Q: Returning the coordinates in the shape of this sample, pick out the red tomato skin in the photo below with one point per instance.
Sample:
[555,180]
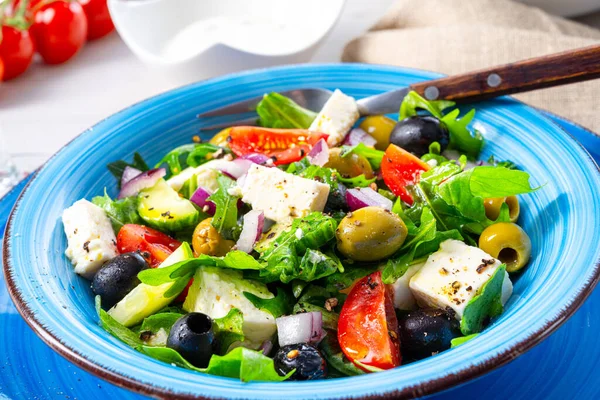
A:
[154,246]
[368,328]
[16,50]
[400,169]
[99,21]
[284,146]
[59,29]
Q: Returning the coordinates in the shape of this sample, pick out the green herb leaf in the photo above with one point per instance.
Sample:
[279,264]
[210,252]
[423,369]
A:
[461,340]
[277,306]
[113,327]
[244,364]
[229,329]
[191,155]
[316,265]
[413,102]
[116,168]
[199,155]
[163,320]
[120,212]
[335,357]
[486,304]
[278,111]
[357,181]
[340,281]
[225,218]
[373,155]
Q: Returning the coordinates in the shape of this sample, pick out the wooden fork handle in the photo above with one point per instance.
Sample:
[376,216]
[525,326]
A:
[523,76]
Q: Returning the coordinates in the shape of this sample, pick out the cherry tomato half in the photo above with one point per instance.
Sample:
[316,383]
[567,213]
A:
[368,329]
[16,51]
[99,22]
[400,169]
[154,246]
[284,146]
[59,29]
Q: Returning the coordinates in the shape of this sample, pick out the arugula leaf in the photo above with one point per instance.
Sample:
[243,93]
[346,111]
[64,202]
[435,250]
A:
[278,111]
[225,218]
[185,269]
[113,327]
[191,155]
[373,155]
[440,173]
[199,155]
[116,168]
[163,320]
[340,281]
[335,357]
[460,136]
[277,306]
[120,212]
[316,265]
[461,340]
[242,363]
[486,304]
[487,181]
[229,329]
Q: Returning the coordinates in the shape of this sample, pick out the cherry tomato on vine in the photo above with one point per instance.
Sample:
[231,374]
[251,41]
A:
[99,22]
[59,29]
[14,7]
[16,51]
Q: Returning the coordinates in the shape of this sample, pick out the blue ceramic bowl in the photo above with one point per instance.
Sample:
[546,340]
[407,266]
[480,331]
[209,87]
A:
[562,220]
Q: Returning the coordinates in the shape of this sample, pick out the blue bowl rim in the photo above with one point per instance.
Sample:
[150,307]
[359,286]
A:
[422,389]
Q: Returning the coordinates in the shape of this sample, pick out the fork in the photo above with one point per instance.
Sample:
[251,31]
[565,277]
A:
[535,73]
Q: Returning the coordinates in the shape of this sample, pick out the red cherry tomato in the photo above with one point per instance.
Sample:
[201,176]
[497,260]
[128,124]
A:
[400,169]
[283,145]
[16,51]
[99,22]
[154,246]
[1,69]
[59,30]
[368,329]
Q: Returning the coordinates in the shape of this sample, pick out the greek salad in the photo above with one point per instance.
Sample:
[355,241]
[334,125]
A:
[313,245]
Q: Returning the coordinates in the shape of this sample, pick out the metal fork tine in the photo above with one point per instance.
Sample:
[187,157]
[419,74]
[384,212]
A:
[241,122]
[308,98]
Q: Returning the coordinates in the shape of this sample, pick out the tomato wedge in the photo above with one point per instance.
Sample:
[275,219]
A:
[368,329]
[400,169]
[284,146]
[154,246]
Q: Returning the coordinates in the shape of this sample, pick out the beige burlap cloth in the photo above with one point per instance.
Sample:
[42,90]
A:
[455,36]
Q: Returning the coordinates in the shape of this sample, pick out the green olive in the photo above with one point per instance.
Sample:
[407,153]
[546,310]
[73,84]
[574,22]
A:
[206,240]
[507,242]
[380,127]
[370,234]
[350,166]
[492,207]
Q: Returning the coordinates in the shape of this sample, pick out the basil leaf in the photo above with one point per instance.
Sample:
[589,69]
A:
[278,111]
[229,329]
[277,306]
[116,168]
[462,339]
[241,363]
[225,218]
[120,212]
[373,155]
[486,304]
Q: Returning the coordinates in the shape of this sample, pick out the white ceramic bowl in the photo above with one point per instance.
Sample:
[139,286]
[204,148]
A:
[201,38]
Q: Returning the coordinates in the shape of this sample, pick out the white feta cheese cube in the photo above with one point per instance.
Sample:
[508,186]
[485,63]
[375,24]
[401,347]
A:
[90,236]
[403,297]
[453,275]
[280,195]
[336,118]
[216,291]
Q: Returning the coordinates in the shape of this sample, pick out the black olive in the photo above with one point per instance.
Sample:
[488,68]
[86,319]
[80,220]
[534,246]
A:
[415,134]
[118,277]
[427,331]
[336,201]
[305,359]
[192,336]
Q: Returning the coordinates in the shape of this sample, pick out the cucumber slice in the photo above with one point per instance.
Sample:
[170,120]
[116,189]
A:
[162,208]
[145,300]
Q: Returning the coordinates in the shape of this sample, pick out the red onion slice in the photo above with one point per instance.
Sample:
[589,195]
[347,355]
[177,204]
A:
[319,154]
[300,328]
[266,347]
[200,198]
[236,168]
[258,158]
[365,197]
[357,136]
[128,174]
[142,181]
[252,229]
